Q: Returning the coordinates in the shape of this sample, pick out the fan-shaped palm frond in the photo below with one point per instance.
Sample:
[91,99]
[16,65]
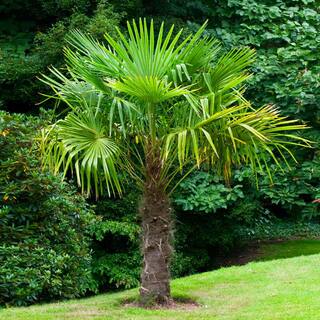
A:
[79,142]
[148,89]
[145,57]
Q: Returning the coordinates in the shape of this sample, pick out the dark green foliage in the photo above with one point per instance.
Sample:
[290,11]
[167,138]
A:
[203,192]
[216,214]
[44,252]
[116,232]
[293,191]
[29,49]
[285,34]
[200,239]
[273,229]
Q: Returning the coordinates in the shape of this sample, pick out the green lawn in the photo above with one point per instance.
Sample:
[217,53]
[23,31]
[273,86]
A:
[278,289]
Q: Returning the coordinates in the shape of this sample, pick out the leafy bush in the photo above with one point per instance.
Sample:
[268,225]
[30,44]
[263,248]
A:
[28,49]
[115,234]
[44,252]
[293,192]
[206,192]
[273,229]
[285,34]
[205,206]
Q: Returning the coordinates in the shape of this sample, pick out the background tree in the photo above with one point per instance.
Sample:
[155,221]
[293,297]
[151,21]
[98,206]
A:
[154,106]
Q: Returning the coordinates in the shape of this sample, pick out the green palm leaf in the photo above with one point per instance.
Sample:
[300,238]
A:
[236,135]
[80,144]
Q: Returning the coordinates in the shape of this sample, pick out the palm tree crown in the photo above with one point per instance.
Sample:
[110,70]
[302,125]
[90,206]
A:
[149,89]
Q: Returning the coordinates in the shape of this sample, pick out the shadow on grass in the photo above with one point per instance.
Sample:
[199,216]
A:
[271,250]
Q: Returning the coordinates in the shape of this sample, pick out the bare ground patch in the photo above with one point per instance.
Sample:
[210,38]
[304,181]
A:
[184,304]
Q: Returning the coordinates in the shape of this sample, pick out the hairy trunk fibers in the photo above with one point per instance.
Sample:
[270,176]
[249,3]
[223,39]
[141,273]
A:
[156,235]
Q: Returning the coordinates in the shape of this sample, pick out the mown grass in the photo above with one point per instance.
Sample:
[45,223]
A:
[278,289]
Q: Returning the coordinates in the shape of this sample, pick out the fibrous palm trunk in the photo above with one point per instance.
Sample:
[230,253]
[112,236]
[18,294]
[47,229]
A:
[156,234]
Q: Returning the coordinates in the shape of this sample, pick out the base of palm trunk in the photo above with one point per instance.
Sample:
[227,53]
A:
[156,249]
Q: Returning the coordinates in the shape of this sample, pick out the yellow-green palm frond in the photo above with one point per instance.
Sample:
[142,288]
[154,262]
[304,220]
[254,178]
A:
[79,144]
[237,135]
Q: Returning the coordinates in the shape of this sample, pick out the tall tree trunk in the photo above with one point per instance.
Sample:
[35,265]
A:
[157,231]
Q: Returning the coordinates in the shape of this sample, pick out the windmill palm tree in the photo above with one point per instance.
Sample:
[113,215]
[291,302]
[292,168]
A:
[155,105]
